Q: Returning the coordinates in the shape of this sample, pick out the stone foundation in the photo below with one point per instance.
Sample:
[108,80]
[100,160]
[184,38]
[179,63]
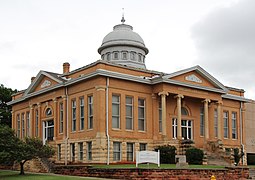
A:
[141,174]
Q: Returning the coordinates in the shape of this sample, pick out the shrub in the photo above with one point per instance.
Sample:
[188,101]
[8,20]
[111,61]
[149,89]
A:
[237,155]
[167,154]
[194,156]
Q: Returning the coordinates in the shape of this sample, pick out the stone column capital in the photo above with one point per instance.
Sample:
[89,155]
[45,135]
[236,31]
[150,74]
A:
[179,96]
[163,93]
[100,88]
[39,104]
[219,103]
[206,101]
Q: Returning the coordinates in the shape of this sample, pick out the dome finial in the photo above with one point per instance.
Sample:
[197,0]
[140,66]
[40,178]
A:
[123,19]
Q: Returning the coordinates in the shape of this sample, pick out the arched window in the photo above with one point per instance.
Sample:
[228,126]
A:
[184,111]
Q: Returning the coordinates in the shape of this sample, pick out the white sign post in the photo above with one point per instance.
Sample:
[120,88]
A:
[147,157]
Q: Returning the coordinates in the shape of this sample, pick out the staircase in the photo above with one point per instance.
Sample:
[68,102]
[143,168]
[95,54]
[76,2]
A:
[217,159]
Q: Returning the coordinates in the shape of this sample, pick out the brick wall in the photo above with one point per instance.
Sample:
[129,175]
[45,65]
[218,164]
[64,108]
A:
[141,174]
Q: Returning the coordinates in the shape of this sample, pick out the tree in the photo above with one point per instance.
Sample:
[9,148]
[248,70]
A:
[5,110]
[13,149]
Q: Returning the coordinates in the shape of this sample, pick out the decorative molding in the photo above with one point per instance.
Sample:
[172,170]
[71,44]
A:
[46,83]
[193,78]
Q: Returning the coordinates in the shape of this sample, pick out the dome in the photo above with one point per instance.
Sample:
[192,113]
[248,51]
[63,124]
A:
[124,46]
[123,34]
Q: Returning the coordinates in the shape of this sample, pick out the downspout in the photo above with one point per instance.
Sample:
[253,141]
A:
[66,140]
[107,120]
[241,129]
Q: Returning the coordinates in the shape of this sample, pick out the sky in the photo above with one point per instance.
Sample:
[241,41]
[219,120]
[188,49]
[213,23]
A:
[218,35]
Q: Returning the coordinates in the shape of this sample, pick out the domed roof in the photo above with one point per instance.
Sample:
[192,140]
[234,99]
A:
[124,35]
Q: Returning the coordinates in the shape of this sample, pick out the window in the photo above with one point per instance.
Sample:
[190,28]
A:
[61,118]
[116,151]
[202,122]
[80,145]
[36,123]
[108,56]
[225,124]
[234,126]
[48,130]
[48,112]
[115,111]
[59,152]
[28,124]
[89,150]
[160,115]
[184,111]
[73,115]
[215,123]
[130,151]
[115,55]
[186,129]
[139,58]
[141,114]
[81,113]
[72,150]
[132,55]
[23,125]
[129,113]
[90,112]
[143,147]
[124,55]
[18,126]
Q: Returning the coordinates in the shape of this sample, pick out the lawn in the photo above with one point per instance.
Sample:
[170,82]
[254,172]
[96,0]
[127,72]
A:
[14,175]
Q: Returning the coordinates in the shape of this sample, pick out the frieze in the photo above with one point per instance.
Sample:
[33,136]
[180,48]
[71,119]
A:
[192,90]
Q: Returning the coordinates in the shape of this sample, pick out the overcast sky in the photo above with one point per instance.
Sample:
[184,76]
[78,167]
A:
[218,35]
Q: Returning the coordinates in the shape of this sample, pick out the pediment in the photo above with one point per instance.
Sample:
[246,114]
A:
[196,76]
[43,80]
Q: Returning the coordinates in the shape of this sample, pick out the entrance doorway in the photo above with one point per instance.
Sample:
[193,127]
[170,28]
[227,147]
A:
[186,128]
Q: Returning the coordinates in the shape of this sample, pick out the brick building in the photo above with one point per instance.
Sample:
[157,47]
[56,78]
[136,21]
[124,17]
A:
[105,111]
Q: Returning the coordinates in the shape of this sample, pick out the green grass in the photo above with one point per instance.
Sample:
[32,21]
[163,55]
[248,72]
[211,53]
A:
[14,175]
[162,166]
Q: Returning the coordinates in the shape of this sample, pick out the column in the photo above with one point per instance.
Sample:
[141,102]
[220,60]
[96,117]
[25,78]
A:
[219,111]
[55,111]
[40,126]
[179,115]
[31,122]
[163,105]
[206,102]
[65,116]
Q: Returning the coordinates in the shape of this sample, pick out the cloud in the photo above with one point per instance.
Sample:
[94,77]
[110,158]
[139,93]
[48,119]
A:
[225,41]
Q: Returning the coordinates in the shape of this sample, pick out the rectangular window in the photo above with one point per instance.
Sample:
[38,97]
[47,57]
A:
[90,112]
[72,150]
[59,152]
[115,111]
[124,55]
[81,113]
[73,115]
[130,151]
[36,123]
[61,118]
[89,151]
[215,123]
[160,115]
[225,124]
[141,114]
[28,124]
[143,147]
[202,122]
[18,126]
[23,125]
[129,113]
[115,55]
[80,151]
[116,151]
[234,125]
[132,55]
[186,129]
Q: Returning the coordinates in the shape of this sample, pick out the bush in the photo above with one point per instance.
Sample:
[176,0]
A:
[167,154]
[237,155]
[194,156]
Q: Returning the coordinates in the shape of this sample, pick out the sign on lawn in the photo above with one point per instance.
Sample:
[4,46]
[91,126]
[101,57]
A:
[147,157]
